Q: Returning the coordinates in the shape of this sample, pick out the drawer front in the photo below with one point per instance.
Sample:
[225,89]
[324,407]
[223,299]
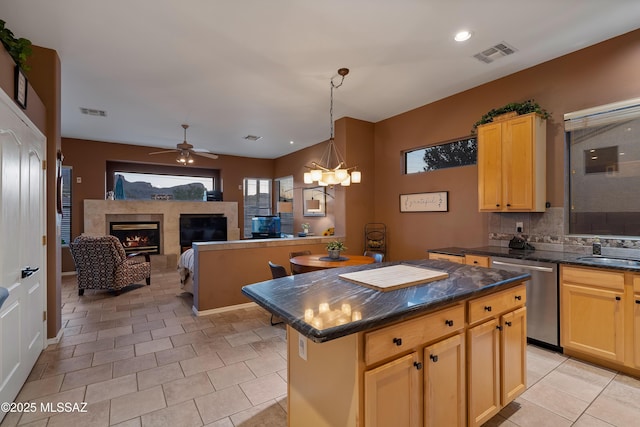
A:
[594,276]
[452,258]
[479,260]
[495,304]
[395,339]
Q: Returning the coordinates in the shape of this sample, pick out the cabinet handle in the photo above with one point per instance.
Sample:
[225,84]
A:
[618,298]
[449,322]
[397,341]
[487,308]
[418,365]
[499,327]
[508,323]
[638,301]
[475,262]
[433,357]
[508,205]
[497,205]
[518,297]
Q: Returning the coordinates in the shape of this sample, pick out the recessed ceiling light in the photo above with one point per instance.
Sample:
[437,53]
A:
[291,142]
[463,36]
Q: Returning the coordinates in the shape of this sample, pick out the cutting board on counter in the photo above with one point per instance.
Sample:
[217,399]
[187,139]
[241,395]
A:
[394,277]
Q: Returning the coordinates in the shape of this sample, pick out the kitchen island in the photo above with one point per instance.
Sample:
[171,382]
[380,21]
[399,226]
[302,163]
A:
[421,355]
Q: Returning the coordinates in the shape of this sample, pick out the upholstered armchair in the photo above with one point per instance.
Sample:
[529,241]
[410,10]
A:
[101,263]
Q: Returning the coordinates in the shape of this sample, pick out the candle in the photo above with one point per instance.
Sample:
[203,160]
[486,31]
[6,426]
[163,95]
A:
[308,315]
[317,323]
[356,315]
[346,309]
[323,307]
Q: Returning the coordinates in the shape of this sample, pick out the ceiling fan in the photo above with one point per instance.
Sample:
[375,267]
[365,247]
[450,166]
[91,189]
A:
[186,151]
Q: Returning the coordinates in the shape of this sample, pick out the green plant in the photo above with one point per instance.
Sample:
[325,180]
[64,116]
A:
[336,245]
[526,107]
[18,48]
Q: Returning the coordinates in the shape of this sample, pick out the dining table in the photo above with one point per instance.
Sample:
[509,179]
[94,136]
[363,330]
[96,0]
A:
[314,262]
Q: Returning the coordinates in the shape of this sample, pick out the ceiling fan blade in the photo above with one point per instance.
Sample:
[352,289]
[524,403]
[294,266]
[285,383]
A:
[162,152]
[209,155]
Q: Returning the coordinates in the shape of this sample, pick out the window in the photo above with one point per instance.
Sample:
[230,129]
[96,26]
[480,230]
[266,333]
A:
[147,186]
[257,200]
[65,226]
[462,152]
[604,169]
[284,203]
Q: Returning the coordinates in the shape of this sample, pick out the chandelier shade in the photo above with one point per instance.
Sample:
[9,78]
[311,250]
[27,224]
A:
[332,168]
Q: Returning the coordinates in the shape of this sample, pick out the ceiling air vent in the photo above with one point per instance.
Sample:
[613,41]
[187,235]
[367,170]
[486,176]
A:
[93,112]
[495,52]
[252,137]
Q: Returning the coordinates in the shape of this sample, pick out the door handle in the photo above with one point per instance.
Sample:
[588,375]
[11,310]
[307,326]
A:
[28,271]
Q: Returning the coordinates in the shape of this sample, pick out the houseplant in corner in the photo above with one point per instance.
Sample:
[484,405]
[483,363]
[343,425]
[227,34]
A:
[334,248]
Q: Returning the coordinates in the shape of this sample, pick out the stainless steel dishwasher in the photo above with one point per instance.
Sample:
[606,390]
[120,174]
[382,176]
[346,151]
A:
[543,317]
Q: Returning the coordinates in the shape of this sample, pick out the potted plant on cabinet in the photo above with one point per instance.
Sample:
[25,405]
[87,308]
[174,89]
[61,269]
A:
[334,248]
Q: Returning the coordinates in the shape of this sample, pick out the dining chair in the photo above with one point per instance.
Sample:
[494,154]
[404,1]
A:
[296,269]
[377,256]
[277,271]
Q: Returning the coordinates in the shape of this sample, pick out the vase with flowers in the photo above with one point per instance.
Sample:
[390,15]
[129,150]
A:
[334,248]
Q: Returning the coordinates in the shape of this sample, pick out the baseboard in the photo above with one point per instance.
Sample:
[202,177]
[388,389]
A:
[56,339]
[223,309]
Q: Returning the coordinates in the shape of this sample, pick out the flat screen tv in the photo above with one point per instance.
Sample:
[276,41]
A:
[202,228]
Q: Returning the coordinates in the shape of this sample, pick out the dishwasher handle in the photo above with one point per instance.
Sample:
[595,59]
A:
[523,266]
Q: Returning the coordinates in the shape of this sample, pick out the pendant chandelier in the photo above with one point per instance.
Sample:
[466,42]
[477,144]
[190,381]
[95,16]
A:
[323,172]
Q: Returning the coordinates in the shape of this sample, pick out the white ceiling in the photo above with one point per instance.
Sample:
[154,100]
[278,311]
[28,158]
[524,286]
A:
[231,68]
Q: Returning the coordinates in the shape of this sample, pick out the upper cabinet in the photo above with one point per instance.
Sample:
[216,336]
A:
[512,165]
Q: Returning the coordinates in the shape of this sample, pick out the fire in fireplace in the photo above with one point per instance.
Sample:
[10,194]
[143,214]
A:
[137,236]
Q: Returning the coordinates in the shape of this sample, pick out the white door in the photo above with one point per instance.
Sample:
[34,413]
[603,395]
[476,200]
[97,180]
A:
[22,227]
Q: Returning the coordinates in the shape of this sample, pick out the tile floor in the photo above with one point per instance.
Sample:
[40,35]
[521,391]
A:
[143,359]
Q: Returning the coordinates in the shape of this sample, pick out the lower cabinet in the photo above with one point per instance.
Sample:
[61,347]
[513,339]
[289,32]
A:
[592,312]
[420,389]
[393,393]
[496,352]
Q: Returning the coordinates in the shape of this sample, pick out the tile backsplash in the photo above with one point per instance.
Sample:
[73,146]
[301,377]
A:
[546,231]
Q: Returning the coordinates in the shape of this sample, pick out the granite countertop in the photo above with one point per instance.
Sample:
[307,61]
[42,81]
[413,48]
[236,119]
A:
[348,307]
[535,255]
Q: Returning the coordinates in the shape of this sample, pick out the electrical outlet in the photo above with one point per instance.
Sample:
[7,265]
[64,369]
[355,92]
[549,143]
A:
[519,227]
[302,346]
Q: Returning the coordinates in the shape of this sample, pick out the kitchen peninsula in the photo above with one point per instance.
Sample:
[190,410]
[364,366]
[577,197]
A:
[428,354]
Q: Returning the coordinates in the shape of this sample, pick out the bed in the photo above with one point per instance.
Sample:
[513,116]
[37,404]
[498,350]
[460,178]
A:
[185,269]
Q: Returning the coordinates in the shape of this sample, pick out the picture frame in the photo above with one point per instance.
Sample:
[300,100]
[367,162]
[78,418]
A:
[437,201]
[314,201]
[21,87]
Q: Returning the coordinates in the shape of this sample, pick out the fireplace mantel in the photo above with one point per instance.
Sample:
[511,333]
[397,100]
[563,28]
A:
[97,214]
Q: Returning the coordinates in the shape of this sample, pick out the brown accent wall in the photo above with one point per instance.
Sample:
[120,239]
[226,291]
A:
[604,73]
[89,159]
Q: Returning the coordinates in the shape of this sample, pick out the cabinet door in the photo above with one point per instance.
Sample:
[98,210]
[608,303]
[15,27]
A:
[592,321]
[483,362]
[636,329]
[392,393]
[517,159]
[444,383]
[479,260]
[513,352]
[490,167]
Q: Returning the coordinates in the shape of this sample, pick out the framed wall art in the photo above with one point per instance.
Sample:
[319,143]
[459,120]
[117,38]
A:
[425,202]
[21,88]
[314,200]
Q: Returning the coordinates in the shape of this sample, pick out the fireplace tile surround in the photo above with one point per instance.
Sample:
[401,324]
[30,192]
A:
[99,213]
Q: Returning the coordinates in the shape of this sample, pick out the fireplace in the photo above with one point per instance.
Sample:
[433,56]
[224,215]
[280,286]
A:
[137,236]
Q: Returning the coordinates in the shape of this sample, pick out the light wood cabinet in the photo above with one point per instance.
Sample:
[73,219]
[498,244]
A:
[477,260]
[592,312]
[496,353]
[636,321]
[512,165]
[392,393]
[452,258]
[444,383]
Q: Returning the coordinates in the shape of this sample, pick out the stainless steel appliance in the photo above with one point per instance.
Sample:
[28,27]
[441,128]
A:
[543,317]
